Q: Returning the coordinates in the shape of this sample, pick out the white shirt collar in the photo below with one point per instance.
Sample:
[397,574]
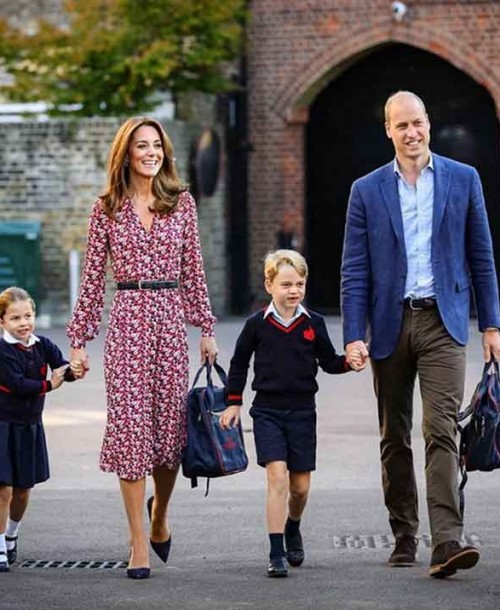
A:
[10,339]
[271,309]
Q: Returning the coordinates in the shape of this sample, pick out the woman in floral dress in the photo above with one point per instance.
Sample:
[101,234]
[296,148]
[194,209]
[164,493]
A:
[146,223]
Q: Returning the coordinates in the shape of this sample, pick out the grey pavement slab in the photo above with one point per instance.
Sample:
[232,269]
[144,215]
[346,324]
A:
[219,550]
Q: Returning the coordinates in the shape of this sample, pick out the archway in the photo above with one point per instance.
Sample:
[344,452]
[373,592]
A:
[345,139]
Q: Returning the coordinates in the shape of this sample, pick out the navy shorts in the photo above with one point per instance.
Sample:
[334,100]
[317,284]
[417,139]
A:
[285,435]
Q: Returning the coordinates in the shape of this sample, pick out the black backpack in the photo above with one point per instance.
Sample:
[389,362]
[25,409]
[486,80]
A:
[211,451]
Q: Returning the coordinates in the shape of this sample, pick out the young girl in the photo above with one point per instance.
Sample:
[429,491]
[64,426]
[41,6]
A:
[288,343]
[24,358]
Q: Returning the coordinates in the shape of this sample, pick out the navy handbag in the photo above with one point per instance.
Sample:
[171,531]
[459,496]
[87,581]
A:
[211,451]
[480,437]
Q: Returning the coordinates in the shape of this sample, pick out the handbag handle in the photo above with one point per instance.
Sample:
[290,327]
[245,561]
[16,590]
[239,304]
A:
[220,372]
[490,370]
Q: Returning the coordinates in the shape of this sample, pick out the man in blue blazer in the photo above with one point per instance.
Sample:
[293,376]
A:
[417,241]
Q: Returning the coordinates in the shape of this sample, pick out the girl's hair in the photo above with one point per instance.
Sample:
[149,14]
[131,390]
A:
[167,185]
[274,260]
[13,295]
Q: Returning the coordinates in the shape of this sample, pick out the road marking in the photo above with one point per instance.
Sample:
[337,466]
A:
[386,541]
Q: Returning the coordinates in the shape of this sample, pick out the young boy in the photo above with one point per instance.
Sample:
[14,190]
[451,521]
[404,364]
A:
[288,342]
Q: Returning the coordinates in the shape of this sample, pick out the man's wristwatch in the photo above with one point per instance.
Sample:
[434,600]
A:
[495,328]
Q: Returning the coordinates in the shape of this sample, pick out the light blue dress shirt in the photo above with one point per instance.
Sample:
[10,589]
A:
[417,203]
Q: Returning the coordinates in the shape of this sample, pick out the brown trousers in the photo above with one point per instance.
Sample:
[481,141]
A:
[425,349]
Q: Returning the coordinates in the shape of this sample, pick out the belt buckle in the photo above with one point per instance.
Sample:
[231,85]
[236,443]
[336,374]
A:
[139,284]
[412,307]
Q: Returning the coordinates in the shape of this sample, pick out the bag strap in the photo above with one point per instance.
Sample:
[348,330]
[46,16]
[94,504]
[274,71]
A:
[197,376]
[220,372]
[490,368]
[461,488]
[494,367]
[194,483]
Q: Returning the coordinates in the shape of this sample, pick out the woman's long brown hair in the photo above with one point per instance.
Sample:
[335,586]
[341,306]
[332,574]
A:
[167,185]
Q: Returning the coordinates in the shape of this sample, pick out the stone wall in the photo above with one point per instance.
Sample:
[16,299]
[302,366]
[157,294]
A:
[53,170]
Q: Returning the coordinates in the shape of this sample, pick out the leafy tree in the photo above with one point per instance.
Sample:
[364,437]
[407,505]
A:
[115,54]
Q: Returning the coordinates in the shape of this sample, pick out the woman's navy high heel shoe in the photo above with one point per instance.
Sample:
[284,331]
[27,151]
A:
[138,573]
[162,549]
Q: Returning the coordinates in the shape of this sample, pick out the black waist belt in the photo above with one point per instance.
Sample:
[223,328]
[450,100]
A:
[147,285]
[420,304]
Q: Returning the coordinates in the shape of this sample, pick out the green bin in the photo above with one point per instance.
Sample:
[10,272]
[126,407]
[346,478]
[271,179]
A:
[20,255]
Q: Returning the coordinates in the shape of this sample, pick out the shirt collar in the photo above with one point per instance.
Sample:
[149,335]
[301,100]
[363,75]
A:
[10,339]
[271,309]
[397,171]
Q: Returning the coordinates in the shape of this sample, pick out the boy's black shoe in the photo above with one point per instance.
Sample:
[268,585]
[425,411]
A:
[450,556]
[294,549]
[405,552]
[12,554]
[277,568]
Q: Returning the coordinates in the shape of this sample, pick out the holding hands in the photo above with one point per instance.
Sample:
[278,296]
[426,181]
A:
[77,369]
[79,362]
[57,377]
[357,355]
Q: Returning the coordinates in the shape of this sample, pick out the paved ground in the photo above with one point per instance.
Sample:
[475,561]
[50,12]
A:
[218,557]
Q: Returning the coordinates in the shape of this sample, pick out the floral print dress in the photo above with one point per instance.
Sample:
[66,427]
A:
[145,351]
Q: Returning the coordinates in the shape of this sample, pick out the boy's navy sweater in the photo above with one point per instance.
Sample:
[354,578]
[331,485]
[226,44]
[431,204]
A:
[286,361]
[23,378]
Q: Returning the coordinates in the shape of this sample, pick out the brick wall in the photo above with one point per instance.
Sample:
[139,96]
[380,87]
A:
[52,171]
[298,46]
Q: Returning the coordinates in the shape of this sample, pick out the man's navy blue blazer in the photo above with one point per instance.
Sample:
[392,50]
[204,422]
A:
[374,264]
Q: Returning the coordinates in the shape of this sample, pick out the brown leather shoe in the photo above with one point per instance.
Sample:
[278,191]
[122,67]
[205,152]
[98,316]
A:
[450,556]
[405,552]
